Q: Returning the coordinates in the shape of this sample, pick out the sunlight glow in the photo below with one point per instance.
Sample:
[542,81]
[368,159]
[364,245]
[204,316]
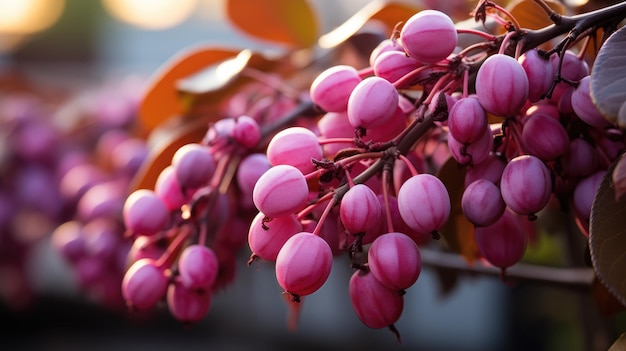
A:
[151,14]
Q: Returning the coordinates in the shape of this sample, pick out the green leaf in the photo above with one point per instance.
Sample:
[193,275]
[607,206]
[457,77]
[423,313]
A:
[607,237]
[608,79]
[290,22]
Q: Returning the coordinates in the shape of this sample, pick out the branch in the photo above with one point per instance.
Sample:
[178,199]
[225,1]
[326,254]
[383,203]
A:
[571,278]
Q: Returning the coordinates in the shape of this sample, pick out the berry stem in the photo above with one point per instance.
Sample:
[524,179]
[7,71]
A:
[320,222]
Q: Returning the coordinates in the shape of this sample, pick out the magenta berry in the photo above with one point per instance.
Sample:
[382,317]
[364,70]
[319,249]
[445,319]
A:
[526,184]
[332,88]
[294,146]
[360,209]
[198,267]
[395,260]
[303,264]
[467,120]
[373,103]
[280,191]
[540,73]
[424,203]
[482,202]
[194,165]
[501,85]
[502,243]
[145,213]
[187,305]
[265,239]
[429,36]
[144,284]
[374,304]
[545,137]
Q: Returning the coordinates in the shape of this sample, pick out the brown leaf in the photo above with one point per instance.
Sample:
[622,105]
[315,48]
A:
[161,100]
[388,12]
[290,22]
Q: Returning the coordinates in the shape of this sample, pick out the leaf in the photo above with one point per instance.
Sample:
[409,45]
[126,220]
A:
[458,231]
[607,237]
[161,100]
[619,179]
[163,143]
[532,16]
[388,12]
[290,22]
[608,79]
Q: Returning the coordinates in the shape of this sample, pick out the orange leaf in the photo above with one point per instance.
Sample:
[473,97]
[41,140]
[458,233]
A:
[388,12]
[531,16]
[163,143]
[290,22]
[161,100]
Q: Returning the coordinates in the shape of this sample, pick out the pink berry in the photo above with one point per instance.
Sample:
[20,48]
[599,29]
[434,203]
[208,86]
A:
[526,184]
[375,305]
[187,305]
[580,160]
[545,137]
[502,85]
[467,120]
[472,153]
[265,239]
[280,191]
[360,209]
[303,264]
[194,165]
[424,203]
[145,213]
[249,171]
[585,192]
[482,202]
[584,107]
[393,65]
[247,131]
[144,284]
[395,260]
[373,103]
[429,36]
[332,88]
[540,73]
[169,190]
[198,267]
[502,243]
[294,146]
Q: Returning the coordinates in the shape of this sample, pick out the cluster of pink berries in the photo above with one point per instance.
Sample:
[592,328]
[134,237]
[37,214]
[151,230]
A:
[363,181]
[187,230]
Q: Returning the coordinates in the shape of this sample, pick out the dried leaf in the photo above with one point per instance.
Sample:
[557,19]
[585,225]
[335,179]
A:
[161,100]
[290,22]
[386,11]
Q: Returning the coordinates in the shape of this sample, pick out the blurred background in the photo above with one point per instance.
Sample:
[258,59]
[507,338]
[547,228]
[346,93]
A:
[62,58]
